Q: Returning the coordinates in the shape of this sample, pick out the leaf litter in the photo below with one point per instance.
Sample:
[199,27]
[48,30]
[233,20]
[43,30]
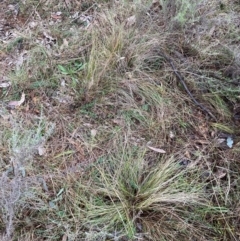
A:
[13,104]
[159,150]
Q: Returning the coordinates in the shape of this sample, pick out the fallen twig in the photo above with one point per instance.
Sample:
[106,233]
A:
[181,79]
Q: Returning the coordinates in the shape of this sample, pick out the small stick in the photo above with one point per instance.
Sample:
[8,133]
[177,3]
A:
[181,79]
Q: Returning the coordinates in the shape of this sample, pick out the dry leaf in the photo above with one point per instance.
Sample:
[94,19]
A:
[15,103]
[64,44]
[41,150]
[55,16]
[118,121]
[211,31]
[5,85]
[203,130]
[187,154]
[93,133]
[131,21]
[220,173]
[171,135]
[220,140]
[32,24]
[64,238]
[87,124]
[156,149]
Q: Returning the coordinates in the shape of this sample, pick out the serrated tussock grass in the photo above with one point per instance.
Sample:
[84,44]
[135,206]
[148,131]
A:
[126,196]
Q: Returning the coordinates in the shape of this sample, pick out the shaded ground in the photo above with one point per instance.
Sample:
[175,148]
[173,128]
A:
[99,103]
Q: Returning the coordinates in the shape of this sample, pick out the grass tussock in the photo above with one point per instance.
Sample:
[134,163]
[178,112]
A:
[108,144]
[132,199]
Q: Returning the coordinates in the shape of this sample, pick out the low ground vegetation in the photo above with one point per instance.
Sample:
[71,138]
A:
[119,120]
